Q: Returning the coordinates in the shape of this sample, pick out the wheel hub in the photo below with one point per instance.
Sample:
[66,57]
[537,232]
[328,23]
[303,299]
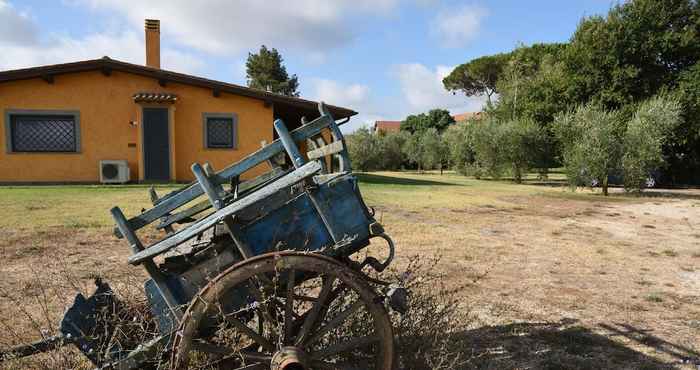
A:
[289,358]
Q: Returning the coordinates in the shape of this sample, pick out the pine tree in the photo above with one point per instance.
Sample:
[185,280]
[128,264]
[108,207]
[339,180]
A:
[265,71]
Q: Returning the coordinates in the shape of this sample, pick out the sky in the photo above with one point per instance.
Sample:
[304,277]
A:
[383,58]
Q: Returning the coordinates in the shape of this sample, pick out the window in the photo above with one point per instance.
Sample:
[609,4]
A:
[220,131]
[36,131]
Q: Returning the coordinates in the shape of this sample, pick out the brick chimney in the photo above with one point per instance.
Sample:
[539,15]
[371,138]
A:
[153,43]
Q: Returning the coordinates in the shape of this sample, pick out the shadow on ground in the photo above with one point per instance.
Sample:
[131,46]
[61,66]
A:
[391,180]
[566,345]
[671,194]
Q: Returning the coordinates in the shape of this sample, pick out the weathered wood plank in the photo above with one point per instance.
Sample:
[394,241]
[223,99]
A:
[205,223]
[343,156]
[330,149]
[288,143]
[150,266]
[178,198]
[218,203]
[243,189]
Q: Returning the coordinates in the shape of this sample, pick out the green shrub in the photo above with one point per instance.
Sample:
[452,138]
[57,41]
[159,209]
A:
[363,149]
[459,140]
[591,145]
[644,138]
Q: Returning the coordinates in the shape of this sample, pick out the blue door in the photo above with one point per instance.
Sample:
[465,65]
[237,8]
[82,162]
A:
[156,144]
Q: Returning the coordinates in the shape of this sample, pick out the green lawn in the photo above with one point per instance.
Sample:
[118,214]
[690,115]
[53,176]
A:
[87,206]
[26,207]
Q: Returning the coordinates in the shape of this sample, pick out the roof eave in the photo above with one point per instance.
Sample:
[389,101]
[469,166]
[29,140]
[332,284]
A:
[111,64]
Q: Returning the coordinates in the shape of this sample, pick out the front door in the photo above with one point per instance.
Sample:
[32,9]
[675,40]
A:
[156,144]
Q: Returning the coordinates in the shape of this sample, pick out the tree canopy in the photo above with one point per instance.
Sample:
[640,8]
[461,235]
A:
[439,119]
[640,49]
[477,77]
[265,71]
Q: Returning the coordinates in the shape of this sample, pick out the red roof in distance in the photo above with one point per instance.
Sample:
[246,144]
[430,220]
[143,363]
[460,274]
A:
[387,126]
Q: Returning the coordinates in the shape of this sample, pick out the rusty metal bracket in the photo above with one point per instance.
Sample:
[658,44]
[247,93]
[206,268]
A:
[373,262]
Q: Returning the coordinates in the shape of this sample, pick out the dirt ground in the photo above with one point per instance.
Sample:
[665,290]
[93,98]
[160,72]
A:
[588,278]
[553,280]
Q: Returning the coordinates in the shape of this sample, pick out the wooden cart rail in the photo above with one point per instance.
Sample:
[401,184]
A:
[176,199]
[205,223]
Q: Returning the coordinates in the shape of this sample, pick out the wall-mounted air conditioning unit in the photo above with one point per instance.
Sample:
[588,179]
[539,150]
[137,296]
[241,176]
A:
[114,172]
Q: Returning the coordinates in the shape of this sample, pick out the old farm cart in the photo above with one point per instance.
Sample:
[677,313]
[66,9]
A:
[263,279]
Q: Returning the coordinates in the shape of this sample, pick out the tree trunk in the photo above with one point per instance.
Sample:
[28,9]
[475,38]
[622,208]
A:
[517,175]
[605,186]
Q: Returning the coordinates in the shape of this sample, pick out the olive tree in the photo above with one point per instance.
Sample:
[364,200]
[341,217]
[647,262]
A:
[591,144]
[390,145]
[459,140]
[363,149]
[488,149]
[413,151]
[644,137]
[432,149]
[522,141]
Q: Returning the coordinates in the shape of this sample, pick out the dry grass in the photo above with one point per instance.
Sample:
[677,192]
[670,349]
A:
[566,280]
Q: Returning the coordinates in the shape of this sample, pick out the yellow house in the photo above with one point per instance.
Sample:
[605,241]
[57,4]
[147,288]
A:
[61,121]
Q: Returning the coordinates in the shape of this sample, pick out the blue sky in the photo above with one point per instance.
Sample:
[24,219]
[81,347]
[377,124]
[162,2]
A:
[383,58]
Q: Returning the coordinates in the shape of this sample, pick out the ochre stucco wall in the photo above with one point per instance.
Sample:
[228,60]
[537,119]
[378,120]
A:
[106,107]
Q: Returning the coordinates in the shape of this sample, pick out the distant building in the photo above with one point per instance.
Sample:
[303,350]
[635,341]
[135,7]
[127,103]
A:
[395,126]
[387,126]
[468,116]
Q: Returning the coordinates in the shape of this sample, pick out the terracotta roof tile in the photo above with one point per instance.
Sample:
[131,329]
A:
[467,116]
[387,126]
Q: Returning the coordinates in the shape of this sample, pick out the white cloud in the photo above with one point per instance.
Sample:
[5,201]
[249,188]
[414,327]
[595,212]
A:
[16,27]
[353,96]
[125,46]
[232,26]
[456,27]
[423,90]
[332,92]
[25,49]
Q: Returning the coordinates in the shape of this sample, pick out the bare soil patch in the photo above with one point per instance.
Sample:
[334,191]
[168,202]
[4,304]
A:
[576,269]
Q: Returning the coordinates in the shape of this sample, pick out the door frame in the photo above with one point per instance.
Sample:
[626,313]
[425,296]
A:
[171,139]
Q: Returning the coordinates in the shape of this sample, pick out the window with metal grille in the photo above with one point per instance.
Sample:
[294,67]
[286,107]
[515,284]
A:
[220,131]
[43,132]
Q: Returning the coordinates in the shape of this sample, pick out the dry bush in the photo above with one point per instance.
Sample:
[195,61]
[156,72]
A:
[427,336]
[42,306]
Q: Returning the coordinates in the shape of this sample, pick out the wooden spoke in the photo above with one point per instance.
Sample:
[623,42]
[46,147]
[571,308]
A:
[311,319]
[286,318]
[335,322]
[346,346]
[250,333]
[289,307]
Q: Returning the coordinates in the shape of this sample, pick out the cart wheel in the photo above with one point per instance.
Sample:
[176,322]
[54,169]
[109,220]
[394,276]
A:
[303,311]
